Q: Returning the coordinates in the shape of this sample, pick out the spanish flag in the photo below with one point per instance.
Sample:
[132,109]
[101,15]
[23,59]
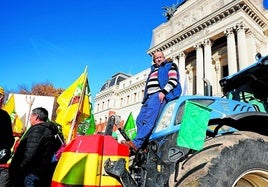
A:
[82,162]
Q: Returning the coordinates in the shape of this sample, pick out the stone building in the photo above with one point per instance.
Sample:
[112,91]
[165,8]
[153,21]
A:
[121,97]
[208,39]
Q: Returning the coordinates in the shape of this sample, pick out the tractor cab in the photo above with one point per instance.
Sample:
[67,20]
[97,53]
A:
[249,85]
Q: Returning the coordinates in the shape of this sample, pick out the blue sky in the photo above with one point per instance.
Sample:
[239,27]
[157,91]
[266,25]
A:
[54,40]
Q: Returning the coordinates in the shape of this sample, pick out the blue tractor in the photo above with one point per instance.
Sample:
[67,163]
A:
[235,151]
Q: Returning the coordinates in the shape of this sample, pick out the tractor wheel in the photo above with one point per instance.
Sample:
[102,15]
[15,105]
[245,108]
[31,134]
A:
[233,160]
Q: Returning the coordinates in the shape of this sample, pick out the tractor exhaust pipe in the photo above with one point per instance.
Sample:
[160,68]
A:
[208,87]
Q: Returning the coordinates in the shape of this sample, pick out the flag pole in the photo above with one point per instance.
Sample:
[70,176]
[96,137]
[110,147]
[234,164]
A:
[79,105]
[30,102]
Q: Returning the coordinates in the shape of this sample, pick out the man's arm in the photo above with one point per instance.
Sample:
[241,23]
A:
[173,81]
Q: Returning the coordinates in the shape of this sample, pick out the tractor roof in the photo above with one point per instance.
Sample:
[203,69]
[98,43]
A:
[253,79]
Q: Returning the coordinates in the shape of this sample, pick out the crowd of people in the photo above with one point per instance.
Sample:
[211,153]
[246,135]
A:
[32,166]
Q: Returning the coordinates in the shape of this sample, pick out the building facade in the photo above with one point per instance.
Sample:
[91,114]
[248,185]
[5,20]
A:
[207,39]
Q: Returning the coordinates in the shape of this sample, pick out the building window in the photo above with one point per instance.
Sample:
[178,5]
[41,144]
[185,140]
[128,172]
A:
[108,103]
[142,94]
[121,102]
[135,97]
[128,99]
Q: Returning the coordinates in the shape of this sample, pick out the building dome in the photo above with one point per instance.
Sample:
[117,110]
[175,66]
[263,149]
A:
[116,79]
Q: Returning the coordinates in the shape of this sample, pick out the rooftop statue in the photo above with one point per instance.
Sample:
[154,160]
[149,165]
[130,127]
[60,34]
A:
[169,11]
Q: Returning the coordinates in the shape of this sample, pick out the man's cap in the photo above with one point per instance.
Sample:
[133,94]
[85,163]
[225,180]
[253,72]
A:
[2,91]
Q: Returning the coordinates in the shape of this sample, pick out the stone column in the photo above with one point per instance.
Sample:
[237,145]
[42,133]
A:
[209,71]
[242,46]
[189,80]
[231,51]
[182,72]
[175,59]
[252,47]
[216,87]
[199,69]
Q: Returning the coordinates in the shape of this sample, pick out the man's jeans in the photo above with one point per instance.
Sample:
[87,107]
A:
[147,117]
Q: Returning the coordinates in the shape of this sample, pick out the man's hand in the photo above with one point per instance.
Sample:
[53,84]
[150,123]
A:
[161,97]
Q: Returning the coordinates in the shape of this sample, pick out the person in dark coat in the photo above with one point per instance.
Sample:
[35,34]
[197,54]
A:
[6,141]
[32,164]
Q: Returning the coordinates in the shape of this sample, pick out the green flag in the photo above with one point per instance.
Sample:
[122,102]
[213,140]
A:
[92,127]
[130,127]
[88,126]
[193,128]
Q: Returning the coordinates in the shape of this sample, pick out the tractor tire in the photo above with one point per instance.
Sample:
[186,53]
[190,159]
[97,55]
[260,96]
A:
[232,160]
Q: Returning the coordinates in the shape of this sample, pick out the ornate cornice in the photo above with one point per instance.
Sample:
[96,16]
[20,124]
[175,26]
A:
[212,19]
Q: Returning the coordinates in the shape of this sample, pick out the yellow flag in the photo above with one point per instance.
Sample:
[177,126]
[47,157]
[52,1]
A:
[17,124]
[73,106]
